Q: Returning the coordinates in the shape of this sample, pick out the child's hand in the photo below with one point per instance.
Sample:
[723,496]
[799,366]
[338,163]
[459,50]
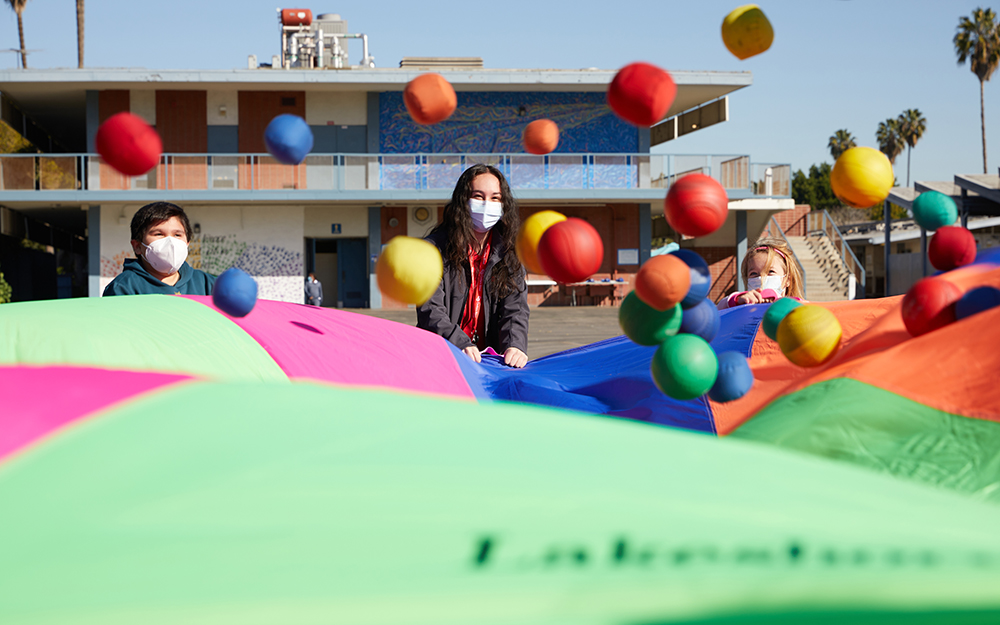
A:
[751,297]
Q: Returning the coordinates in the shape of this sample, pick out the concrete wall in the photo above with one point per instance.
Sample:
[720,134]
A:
[264,241]
[339,108]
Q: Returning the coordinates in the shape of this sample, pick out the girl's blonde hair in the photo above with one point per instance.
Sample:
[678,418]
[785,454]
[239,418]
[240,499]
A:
[776,249]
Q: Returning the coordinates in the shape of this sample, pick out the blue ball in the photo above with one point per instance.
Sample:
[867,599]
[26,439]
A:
[734,380]
[701,320]
[288,138]
[976,301]
[235,292]
[701,278]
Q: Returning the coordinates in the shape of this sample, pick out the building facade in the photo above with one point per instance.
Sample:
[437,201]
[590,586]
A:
[373,173]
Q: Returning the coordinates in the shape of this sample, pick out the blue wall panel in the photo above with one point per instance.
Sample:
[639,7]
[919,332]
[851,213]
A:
[492,122]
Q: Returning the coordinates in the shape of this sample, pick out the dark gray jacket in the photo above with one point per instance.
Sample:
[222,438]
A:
[506,319]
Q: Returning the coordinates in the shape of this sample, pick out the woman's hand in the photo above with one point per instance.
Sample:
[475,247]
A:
[515,358]
[751,297]
[473,352]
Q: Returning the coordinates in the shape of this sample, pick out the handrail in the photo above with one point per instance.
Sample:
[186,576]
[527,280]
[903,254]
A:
[826,224]
[388,171]
[781,233]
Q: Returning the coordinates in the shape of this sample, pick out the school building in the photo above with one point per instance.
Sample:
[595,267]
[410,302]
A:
[373,173]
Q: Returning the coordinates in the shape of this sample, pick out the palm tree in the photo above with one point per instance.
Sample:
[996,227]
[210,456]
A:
[890,141]
[840,142]
[912,125]
[79,33]
[18,7]
[978,42]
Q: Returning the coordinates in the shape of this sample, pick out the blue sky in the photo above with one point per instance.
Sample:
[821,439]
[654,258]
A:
[834,63]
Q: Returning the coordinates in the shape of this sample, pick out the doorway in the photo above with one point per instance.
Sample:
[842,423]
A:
[341,267]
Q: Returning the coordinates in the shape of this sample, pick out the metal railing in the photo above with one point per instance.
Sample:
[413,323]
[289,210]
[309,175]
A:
[774,230]
[414,172]
[820,221]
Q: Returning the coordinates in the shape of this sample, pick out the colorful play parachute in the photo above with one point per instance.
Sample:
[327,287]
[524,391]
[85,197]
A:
[161,462]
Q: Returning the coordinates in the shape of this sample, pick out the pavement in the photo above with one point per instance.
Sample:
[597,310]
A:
[551,329]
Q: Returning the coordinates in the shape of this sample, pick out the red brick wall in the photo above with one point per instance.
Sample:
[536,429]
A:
[793,222]
[182,121]
[388,212]
[111,103]
[618,225]
[722,265]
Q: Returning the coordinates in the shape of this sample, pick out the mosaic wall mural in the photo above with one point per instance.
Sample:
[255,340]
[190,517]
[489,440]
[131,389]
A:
[278,271]
[488,122]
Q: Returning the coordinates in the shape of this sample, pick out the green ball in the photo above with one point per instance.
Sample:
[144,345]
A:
[645,325]
[775,314]
[685,367]
[933,210]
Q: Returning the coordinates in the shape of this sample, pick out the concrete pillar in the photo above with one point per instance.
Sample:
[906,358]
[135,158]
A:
[645,232]
[94,251]
[741,248]
[374,249]
[887,215]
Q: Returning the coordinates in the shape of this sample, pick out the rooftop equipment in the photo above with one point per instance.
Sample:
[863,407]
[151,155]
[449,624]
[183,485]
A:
[319,43]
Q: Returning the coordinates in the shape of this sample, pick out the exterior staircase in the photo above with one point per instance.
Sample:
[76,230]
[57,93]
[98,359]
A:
[827,279]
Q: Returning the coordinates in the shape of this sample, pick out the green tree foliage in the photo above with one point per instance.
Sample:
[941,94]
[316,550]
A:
[912,125]
[5,290]
[890,140]
[11,141]
[814,189]
[840,142]
[877,212]
[978,42]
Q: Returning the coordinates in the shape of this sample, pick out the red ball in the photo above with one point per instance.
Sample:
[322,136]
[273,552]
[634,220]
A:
[696,205]
[570,251]
[951,247]
[929,305]
[429,99]
[663,281]
[128,144]
[641,94]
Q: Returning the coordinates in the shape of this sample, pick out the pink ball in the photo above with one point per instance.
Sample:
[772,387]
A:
[951,247]
[929,305]
[128,144]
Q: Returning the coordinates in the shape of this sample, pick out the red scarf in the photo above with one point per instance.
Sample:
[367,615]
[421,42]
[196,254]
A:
[473,316]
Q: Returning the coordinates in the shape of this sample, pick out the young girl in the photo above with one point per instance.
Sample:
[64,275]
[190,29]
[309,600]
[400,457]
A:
[768,265]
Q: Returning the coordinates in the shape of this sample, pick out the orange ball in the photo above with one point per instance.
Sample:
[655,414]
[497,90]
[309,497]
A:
[429,99]
[540,136]
[663,281]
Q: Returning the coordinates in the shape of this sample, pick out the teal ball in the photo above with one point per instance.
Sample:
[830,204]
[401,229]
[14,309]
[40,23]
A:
[645,325]
[684,367]
[775,313]
[933,210]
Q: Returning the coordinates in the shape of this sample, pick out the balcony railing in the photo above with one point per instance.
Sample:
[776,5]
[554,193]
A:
[401,172]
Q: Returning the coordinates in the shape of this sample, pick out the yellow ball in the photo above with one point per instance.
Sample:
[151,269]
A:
[530,234]
[747,32]
[809,335]
[409,270]
[862,177]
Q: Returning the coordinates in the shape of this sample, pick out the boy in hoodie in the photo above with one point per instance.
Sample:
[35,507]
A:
[160,235]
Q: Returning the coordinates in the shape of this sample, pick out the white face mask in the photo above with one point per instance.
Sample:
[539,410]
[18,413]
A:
[166,255]
[484,214]
[768,282]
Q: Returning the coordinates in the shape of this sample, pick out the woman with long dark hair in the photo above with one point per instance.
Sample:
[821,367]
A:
[482,300]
